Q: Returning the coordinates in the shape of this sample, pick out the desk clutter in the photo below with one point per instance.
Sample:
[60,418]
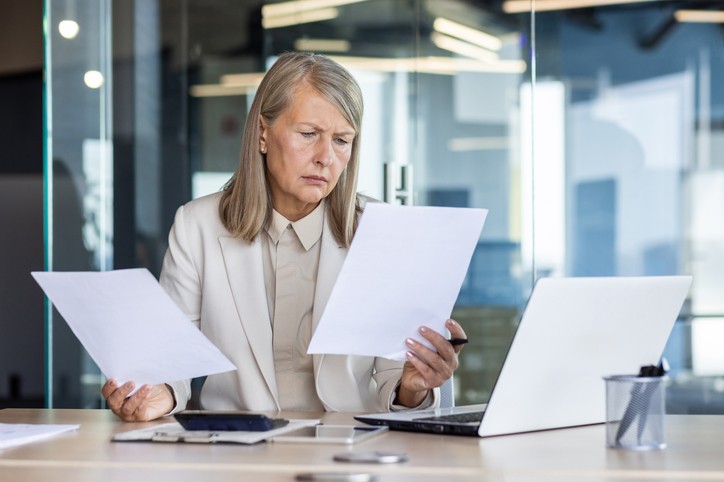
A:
[174,432]
[693,452]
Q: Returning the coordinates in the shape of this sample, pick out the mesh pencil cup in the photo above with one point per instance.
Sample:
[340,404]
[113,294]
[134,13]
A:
[635,409]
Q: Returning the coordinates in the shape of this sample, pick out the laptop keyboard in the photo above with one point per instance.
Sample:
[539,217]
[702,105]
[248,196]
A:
[470,417]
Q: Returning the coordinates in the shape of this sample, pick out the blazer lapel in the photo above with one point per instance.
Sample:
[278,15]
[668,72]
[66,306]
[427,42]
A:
[245,272]
[331,258]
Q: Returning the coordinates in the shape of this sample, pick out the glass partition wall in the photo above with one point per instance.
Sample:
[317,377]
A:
[641,144]
[79,177]
[591,134]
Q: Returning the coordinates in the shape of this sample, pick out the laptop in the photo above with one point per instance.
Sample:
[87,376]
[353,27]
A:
[573,332]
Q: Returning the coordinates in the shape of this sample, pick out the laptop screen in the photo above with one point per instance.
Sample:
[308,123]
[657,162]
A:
[575,331]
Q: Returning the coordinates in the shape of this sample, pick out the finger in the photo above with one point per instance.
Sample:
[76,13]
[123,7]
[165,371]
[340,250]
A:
[135,402]
[456,331]
[443,358]
[428,378]
[423,352]
[442,345]
[119,395]
[443,363]
[436,369]
[432,336]
[109,387]
[147,393]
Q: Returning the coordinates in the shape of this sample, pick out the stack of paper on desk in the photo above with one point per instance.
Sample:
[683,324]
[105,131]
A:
[130,327]
[13,434]
[403,270]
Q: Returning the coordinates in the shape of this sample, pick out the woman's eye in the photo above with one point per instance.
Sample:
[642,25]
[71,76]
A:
[342,142]
[307,134]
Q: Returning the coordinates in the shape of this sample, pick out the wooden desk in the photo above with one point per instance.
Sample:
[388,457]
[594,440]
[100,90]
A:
[695,452]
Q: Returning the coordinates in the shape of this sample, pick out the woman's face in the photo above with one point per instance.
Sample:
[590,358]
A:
[307,148]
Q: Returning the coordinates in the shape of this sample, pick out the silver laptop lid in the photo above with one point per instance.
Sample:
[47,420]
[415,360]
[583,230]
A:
[573,332]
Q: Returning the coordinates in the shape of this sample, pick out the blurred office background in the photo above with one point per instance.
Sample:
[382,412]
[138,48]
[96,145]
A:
[592,130]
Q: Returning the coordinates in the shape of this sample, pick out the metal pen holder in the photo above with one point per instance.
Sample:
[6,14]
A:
[635,410]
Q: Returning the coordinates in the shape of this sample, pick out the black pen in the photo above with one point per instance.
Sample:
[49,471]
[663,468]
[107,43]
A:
[638,406]
[649,371]
[458,341]
[632,411]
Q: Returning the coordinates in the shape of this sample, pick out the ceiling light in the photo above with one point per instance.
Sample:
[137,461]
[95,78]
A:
[250,79]
[321,45]
[699,16]
[284,14]
[93,79]
[519,6]
[463,48]
[431,65]
[218,90]
[229,85]
[68,28]
[295,7]
[299,17]
[243,84]
[474,36]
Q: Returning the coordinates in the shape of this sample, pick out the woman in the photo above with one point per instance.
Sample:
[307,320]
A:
[253,266]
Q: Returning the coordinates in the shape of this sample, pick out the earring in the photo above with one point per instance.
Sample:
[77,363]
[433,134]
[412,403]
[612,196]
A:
[263,150]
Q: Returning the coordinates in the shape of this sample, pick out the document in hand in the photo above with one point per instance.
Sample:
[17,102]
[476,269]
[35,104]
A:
[130,327]
[404,269]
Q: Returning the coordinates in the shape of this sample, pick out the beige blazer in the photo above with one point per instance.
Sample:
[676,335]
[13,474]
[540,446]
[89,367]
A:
[218,281]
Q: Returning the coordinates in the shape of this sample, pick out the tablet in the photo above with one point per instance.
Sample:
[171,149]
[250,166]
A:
[227,421]
[339,434]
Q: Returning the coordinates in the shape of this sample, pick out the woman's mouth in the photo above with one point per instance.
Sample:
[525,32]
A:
[315,179]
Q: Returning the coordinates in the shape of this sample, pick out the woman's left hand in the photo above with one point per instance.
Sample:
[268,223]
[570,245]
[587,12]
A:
[426,368]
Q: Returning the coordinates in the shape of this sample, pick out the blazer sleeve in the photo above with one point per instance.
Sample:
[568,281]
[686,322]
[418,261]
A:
[387,379]
[180,279]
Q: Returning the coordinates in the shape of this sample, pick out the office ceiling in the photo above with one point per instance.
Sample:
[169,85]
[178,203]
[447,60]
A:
[377,27]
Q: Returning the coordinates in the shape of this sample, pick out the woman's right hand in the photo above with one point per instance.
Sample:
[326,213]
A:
[148,403]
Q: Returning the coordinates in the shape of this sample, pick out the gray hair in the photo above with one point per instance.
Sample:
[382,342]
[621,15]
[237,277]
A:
[246,203]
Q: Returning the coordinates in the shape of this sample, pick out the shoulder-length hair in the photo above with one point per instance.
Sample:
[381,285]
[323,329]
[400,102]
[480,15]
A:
[246,203]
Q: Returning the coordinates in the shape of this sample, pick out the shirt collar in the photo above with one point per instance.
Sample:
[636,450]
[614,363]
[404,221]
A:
[308,229]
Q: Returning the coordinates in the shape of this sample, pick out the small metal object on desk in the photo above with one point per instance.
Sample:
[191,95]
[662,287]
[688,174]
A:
[375,457]
[336,477]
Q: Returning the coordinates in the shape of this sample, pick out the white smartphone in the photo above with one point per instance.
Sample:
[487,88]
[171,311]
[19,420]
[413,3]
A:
[336,434]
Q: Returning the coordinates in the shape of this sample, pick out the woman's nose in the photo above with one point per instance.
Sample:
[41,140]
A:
[325,154]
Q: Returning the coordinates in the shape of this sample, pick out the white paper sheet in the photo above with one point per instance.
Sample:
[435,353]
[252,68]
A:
[130,327]
[12,434]
[403,270]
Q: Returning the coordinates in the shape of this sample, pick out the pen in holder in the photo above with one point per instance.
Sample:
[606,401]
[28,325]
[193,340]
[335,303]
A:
[635,409]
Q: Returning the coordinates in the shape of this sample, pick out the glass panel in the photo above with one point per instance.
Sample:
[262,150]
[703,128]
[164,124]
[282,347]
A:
[468,129]
[442,127]
[79,176]
[185,74]
[597,156]
[639,125]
